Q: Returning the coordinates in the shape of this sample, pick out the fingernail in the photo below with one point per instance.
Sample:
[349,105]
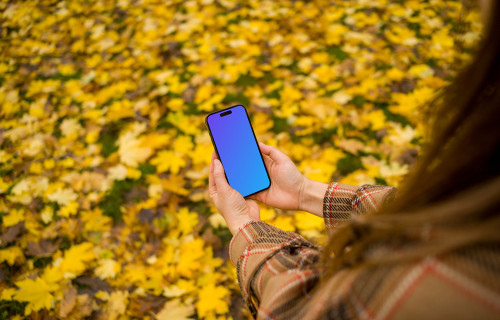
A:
[218,166]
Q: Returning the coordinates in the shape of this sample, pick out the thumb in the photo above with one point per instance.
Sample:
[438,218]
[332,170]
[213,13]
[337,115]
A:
[220,178]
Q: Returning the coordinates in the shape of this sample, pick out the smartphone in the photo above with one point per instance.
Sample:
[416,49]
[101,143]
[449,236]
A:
[237,148]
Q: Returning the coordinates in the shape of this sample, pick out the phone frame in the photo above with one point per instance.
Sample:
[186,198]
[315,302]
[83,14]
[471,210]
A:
[255,139]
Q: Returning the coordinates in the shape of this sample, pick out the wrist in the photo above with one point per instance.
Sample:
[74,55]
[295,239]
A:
[234,227]
[311,197]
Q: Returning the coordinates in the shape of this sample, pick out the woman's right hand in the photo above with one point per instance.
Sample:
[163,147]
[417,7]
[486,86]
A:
[289,190]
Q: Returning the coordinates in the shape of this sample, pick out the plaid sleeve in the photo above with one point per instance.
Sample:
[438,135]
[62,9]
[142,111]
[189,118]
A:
[273,267]
[342,201]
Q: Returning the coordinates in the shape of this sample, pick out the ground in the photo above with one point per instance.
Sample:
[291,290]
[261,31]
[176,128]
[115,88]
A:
[104,152]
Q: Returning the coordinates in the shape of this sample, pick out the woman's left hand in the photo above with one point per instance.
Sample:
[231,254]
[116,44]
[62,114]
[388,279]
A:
[235,209]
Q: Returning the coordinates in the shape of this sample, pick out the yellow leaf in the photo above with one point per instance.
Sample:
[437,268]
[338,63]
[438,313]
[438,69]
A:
[8,293]
[187,220]
[175,310]
[190,254]
[266,214]
[63,196]
[103,295]
[156,141]
[36,292]
[132,151]
[94,220]
[118,172]
[12,255]
[204,92]
[176,104]
[70,127]
[341,97]
[217,220]
[173,291]
[421,71]
[168,161]
[36,168]
[69,209]
[133,173]
[117,304]
[49,163]
[307,221]
[120,109]
[52,275]
[76,259]
[155,190]
[395,74]
[108,268]
[376,119]
[212,300]
[3,186]
[15,216]
[183,144]
[284,223]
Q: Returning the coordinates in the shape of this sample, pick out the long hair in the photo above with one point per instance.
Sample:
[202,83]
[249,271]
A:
[451,198]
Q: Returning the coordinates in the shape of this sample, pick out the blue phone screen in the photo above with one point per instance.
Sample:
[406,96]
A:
[238,150]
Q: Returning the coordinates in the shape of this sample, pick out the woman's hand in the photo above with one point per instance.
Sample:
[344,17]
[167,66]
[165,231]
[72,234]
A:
[287,183]
[234,208]
[289,190]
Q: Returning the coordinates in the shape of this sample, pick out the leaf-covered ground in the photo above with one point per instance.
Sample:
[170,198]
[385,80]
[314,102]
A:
[104,152]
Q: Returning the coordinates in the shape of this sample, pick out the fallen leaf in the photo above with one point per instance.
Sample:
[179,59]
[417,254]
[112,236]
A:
[351,145]
[42,248]
[175,310]
[68,302]
[12,233]
[36,292]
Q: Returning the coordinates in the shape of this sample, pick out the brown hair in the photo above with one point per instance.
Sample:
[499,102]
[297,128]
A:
[451,199]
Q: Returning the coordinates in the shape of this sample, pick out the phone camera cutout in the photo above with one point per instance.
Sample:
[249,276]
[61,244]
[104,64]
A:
[226,113]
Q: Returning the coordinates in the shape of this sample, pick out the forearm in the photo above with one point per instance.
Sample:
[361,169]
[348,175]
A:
[274,266]
[311,197]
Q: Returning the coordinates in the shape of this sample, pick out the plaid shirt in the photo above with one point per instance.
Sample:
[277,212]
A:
[278,274]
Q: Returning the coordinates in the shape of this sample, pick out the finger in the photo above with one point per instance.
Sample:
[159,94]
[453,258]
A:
[268,162]
[276,155]
[219,177]
[212,188]
[256,196]
[214,155]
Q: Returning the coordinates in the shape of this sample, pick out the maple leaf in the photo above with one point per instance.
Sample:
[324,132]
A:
[13,217]
[118,172]
[168,160]
[132,151]
[175,310]
[76,258]
[117,304]
[36,292]
[107,269]
[68,302]
[8,293]
[187,220]
[190,254]
[211,300]
[63,196]
[80,131]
